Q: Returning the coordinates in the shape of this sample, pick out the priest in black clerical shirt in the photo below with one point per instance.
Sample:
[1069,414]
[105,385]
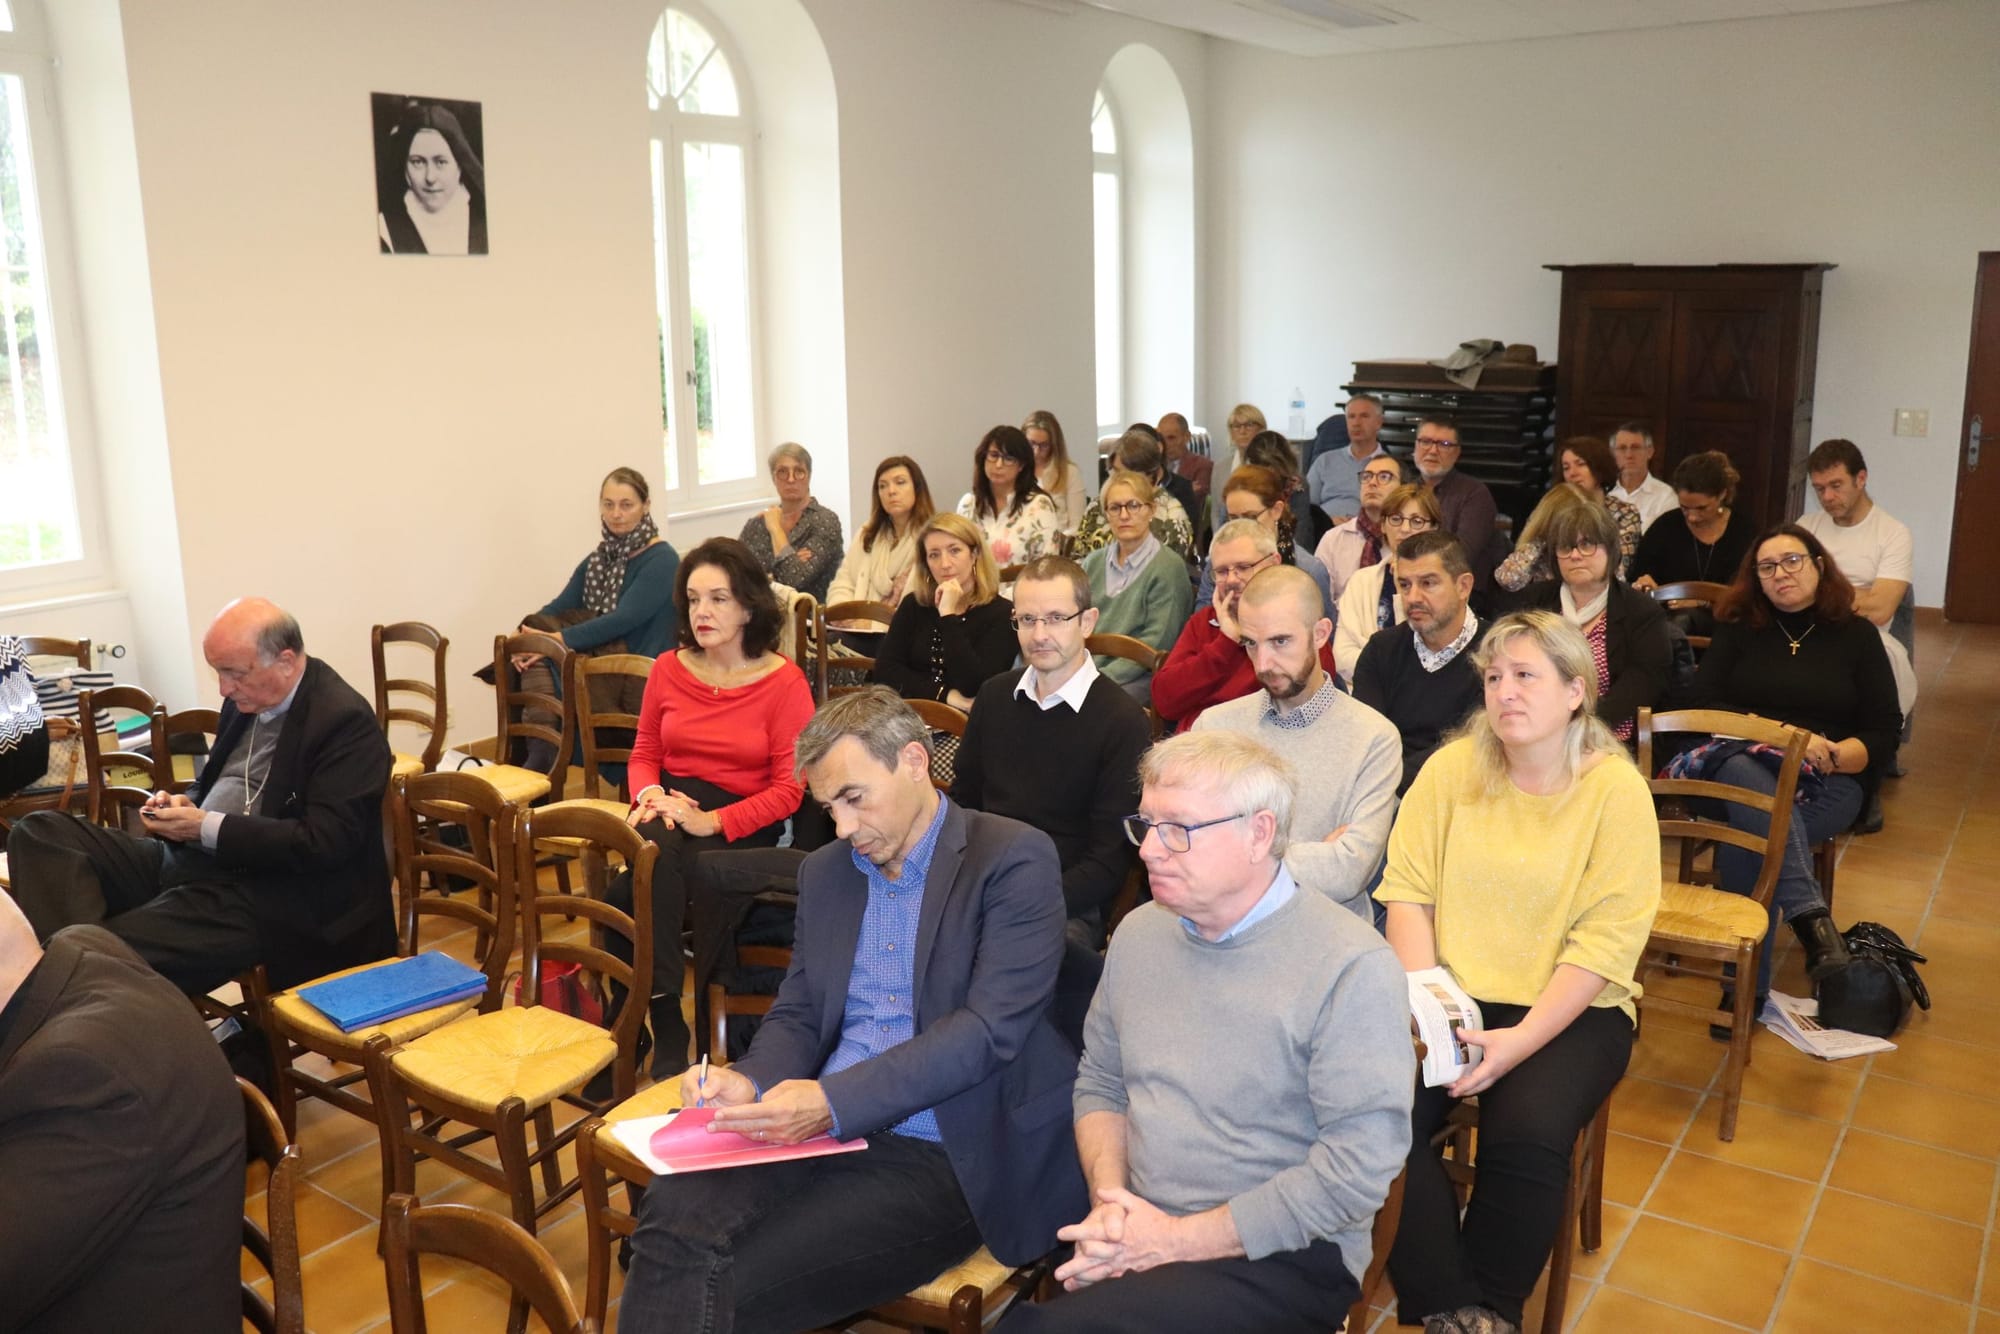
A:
[1057,746]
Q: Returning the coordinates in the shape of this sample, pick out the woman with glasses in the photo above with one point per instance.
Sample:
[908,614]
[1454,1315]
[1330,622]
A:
[1017,519]
[1525,861]
[1054,472]
[1531,558]
[953,630]
[1246,420]
[797,540]
[1370,601]
[1705,539]
[1788,646]
[1630,645]
[1261,493]
[1140,588]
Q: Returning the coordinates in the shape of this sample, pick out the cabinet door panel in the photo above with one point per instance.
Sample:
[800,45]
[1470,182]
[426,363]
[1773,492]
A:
[1622,354]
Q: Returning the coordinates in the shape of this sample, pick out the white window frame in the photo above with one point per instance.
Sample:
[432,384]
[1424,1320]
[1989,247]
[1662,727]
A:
[28,54]
[671,129]
[1113,165]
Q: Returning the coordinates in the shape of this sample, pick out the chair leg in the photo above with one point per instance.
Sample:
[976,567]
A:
[1593,1196]
[597,1233]
[1747,960]
[510,1137]
[392,1119]
[968,1309]
[545,1135]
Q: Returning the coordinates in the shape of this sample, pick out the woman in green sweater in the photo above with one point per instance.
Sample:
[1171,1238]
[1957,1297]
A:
[1526,862]
[1140,588]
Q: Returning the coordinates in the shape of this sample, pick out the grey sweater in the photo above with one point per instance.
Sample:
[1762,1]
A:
[1348,765]
[1271,1071]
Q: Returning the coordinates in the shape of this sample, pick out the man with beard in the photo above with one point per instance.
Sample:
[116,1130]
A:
[1419,675]
[1347,757]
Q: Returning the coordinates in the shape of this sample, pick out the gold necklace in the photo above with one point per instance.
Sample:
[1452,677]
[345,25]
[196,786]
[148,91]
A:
[1788,634]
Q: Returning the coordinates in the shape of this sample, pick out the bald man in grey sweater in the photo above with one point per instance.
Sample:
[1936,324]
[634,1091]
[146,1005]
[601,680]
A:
[1243,1101]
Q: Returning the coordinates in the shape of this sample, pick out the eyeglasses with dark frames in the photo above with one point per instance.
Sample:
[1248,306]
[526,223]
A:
[1052,620]
[1174,837]
[1791,563]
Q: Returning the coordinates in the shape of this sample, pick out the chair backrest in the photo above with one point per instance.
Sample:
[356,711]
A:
[422,808]
[824,661]
[112,768]
[1136,651]
[723,1003]
[274,1245]
[431,716]
[48,646]
[515,704]
[1686,825]
[951,722]
[797,642]
[496,1244]
[1690,590]
[167,774]
[604,669]
[1011,573]
[602,836]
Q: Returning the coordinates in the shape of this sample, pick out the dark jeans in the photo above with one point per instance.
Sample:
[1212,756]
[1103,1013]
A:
[194,923]
[1830,809]
[1305,1291]
[1528,1123]
[790,1246]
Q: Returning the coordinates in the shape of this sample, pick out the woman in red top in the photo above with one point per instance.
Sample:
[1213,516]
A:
[712,763]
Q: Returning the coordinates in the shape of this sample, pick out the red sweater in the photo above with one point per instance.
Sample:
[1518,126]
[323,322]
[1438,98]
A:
[739,738]
[1206,668]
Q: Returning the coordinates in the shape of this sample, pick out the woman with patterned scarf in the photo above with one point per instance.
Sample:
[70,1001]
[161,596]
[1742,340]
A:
[619,600]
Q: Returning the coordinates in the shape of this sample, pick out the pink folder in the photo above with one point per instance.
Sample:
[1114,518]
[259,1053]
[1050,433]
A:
[685,1144]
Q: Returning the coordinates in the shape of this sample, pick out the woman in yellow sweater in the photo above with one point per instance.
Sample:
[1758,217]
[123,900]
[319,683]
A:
[1526,861]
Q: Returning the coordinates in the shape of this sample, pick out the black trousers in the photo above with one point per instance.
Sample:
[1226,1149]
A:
[194,923]
[1306,1291]
[673,873]
[1528,1123]
[790,1246]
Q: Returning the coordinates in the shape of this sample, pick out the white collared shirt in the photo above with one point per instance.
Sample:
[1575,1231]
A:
[1072,692]
[1652,498]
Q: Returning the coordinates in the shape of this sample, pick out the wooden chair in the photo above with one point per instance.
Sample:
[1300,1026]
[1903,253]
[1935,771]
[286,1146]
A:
[478,1237]
[491,864]
[23,803]
[1381,1237]
[824,661]
[112,768]
[804,620]
[722,1003]
[497,1071]
[947,726]
[1692,590]
[526,787]
[1138,651]
[173,772]
[432,713]
[274,1244]
[598,794]
[1696,922]
[961,1300]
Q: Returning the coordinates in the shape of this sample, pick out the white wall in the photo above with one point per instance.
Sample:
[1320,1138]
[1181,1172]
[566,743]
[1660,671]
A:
[1396,205]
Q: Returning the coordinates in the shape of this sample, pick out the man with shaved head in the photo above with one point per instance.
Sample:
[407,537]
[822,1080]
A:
[274,856]
[1348,757]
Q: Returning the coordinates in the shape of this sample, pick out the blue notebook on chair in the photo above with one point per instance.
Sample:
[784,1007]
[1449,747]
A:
[377,995]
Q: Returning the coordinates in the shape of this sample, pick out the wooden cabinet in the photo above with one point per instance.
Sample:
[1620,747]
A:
[1709,356]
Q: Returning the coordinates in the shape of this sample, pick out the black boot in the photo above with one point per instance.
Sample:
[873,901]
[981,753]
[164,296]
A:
[670,1038]
[1826,952]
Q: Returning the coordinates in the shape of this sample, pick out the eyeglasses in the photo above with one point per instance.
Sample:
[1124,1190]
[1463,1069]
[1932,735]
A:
[1002,456]
[1052,620]
[1120,508]
[1380,475]
[1791,563]
[1416,523]
[1583,546]
[1240,571]
[791,475]
[1435,442]
[1173,837]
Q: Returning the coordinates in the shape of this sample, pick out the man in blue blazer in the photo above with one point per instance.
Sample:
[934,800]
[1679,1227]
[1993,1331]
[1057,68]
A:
[916,1015]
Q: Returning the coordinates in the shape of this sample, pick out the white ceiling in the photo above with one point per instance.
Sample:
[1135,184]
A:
[1319,27]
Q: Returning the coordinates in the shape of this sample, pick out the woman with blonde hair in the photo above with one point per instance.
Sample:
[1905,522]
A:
[1370,601]
[1531,560]
[1140,588]
[1054,472]
[1525,861]
[953,629]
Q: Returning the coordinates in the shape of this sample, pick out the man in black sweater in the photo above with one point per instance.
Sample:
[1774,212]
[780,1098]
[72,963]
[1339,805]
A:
[1419,675]
[1057,746]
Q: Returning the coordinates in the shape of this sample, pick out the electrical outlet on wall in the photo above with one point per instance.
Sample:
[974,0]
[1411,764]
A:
[1913,421]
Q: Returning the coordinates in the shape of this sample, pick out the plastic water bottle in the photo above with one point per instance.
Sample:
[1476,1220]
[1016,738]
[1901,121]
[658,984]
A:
[1295,426]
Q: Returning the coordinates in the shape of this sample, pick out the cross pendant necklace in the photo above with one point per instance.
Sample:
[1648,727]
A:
[1798,641]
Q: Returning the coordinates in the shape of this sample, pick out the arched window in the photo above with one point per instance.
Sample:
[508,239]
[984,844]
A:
[46,527]
[702,135]
[1108,215]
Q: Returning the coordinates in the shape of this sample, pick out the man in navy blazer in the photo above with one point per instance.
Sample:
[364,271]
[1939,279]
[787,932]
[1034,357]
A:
[916,1015]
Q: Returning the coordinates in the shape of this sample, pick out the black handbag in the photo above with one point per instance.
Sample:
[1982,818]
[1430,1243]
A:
[1873,993]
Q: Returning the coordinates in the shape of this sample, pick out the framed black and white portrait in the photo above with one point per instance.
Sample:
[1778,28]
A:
[430,175]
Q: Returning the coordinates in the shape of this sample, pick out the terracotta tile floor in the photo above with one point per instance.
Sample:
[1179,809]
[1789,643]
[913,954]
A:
[1855,1197]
